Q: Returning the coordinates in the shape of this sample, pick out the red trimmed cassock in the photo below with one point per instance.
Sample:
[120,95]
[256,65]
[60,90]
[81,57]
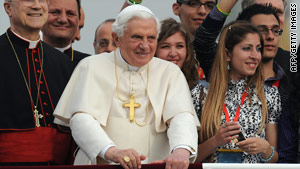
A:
[26,138]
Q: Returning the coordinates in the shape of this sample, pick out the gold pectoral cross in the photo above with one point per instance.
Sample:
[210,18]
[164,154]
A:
[131,105]
[37,116]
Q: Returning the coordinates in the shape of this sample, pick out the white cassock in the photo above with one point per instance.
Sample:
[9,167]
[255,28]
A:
[94,90]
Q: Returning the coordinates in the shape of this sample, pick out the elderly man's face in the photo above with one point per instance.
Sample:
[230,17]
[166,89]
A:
[104,40]
[139,41]
[27,16]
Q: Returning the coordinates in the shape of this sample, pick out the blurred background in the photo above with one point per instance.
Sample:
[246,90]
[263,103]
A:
[97,11]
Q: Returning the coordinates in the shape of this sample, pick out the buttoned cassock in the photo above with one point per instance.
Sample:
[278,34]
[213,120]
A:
[21,140]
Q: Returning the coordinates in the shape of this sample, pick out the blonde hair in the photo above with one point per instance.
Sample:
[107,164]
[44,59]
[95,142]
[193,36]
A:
[231,35]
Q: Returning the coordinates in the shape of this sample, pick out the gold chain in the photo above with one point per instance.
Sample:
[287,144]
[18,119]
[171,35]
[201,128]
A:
[147,106]
[26,83]
[72,58]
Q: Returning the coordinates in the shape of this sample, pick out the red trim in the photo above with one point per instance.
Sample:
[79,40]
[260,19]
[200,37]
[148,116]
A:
[200,73]
[29,85]
[26,40]
[46,84]
[34,71]
[276,83]
[41,144]
[107,166]
[237,114]
[41,103]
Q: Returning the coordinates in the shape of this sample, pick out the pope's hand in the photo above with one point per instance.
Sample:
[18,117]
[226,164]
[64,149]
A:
[128,158]
[179,159]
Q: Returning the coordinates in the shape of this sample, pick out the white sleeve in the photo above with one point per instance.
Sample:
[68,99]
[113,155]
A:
[183,131]
[89,135]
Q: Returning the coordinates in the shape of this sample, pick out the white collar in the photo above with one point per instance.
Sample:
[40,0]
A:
[32,44]
[64,48]
[131,68]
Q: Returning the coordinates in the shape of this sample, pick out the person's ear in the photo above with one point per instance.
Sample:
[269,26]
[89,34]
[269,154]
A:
[7,8]
[116,39]
[228,55]
[175,8]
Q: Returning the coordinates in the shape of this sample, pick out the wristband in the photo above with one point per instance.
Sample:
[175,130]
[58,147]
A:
[131,2]
[271,156]
[227,14]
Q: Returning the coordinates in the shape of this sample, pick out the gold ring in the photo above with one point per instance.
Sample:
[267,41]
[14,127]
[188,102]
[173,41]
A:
[249,147]
[126,159]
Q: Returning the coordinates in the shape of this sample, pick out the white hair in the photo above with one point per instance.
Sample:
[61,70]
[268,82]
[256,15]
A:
[132,12]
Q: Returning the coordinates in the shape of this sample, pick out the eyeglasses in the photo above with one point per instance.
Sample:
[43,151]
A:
[275,30]
[209,5]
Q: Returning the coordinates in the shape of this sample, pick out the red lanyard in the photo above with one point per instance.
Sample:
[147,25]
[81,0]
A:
[200,73]
[276,83]
[237,114]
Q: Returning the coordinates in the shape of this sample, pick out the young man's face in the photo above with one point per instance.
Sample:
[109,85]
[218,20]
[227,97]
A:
[267,23]
[193,12]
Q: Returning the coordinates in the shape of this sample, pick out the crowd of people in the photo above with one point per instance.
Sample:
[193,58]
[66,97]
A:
[154,92]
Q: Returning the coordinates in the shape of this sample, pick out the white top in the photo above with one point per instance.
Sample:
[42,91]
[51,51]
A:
[93,89]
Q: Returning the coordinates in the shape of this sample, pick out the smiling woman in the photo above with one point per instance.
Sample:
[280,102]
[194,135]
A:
[236,88]
[174,45]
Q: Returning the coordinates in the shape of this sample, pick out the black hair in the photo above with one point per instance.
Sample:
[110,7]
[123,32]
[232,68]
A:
[180,1]
[257,9]
[79,6]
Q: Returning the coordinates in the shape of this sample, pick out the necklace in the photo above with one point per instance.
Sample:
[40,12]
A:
[36,112]
[72,58]
[132,105]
